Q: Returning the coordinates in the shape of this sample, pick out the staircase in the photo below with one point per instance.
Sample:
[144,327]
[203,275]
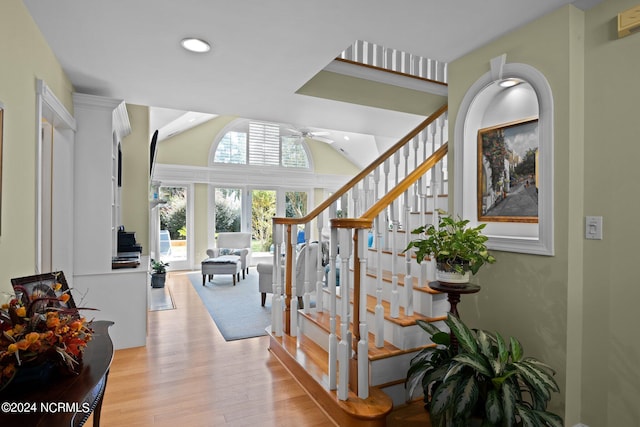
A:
[351,352]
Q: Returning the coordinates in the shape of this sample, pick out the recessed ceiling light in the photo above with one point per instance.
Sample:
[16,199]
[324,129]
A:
[346,137]
[195,45]
[509,82]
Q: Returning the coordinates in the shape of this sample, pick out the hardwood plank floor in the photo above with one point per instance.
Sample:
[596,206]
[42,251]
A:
[189,375]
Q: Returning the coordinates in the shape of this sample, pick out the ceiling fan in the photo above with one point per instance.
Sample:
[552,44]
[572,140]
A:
[307,133]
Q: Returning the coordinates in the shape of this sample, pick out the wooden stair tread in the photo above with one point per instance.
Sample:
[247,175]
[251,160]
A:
[307,363]
[388,277]
[402,319]
[322,319]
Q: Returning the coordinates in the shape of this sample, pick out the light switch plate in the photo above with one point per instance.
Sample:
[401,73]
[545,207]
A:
[593,228]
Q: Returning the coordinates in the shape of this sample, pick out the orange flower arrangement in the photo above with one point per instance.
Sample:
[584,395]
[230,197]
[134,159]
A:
[42,330]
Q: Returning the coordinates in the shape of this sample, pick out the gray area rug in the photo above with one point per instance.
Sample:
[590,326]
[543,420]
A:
[236,310]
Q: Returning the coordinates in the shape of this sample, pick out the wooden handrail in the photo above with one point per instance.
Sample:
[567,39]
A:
[366,171]
[366,219]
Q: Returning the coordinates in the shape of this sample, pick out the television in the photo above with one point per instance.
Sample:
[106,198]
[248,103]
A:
[153,152]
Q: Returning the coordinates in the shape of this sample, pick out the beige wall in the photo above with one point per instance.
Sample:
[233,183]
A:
[611,349]
[525,296]
[135,176]
[25,57]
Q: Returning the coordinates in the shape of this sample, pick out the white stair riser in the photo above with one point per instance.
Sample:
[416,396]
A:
[397,393]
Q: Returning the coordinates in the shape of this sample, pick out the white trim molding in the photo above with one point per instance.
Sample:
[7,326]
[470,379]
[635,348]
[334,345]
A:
[519,239]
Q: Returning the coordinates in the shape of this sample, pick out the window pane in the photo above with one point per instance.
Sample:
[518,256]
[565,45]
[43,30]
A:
[227,209]
[232,148]
[296,204]
[293,154]
[263,209]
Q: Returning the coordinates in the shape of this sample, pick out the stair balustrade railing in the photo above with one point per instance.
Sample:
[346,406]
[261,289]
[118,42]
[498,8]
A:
[365,212]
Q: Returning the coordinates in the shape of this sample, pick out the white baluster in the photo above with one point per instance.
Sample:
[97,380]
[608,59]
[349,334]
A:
[408,280]
[306,297]
[395,296]
[320,270]
[293,324]
[386,169]
[277,307]
[379,310]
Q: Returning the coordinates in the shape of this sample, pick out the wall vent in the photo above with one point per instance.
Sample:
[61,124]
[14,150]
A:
[629,22]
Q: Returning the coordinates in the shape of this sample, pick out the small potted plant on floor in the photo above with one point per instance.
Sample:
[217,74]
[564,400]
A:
[487,381]
[457,248]
[159,273]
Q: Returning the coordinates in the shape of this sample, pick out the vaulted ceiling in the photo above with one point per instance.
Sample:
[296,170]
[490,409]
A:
[263,52]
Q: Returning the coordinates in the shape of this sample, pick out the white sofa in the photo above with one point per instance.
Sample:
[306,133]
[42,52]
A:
[233,243]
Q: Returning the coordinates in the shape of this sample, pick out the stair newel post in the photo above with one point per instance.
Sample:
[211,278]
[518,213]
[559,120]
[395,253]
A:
[306,297]
[292,312]
[395,296]
[360,290]
[344,346]
[408,280]
[333,336]
[320,270]
[277,311]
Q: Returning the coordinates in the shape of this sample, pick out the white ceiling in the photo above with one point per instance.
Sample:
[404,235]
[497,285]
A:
[262,51]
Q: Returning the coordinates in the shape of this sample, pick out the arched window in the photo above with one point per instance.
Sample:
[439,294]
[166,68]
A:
[261,144]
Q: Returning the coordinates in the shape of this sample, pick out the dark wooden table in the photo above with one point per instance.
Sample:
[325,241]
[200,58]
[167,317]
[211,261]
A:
[453,296]
[69,400]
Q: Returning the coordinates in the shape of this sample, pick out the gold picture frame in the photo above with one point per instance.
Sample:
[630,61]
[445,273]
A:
[508,172]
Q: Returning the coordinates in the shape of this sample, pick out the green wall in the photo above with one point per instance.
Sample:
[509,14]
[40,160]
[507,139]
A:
[25,57]
[526,296]
[611,348]
[576,310]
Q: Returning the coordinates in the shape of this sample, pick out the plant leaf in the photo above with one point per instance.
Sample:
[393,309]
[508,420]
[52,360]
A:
[467,396]
[476,361]
[533,382]
[527,417]
[552,420]
[465,337]
[442,397]
[493,407]
[503,352]
[509,397]
[516,350]
[429,327]
[542,374]
[441,338]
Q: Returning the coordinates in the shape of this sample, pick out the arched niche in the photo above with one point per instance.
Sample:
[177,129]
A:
[484,105]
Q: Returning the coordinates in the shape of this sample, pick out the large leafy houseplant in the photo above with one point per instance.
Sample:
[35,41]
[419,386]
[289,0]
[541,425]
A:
[455,246]
[482,377]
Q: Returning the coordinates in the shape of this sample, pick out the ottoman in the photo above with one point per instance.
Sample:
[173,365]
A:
[225,264]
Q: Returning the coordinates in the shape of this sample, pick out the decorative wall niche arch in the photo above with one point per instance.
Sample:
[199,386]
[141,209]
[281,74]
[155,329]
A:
[474,109]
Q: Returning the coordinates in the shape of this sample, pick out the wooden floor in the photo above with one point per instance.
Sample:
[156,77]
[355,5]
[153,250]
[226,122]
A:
[188,375]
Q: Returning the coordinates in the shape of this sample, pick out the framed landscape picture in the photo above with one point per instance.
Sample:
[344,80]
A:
[508,164]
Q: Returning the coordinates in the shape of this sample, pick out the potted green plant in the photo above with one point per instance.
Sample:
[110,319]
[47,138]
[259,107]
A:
[457,248]
[485,379]
[159,273]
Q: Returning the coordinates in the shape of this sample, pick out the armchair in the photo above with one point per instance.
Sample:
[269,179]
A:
[234,243]
[265,272]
